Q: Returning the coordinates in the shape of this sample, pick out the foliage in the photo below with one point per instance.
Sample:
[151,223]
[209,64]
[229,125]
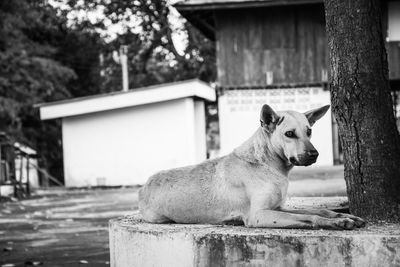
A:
[29,71]
[47,53]
[147,28]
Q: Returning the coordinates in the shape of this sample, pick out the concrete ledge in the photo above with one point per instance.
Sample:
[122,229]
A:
[135,243]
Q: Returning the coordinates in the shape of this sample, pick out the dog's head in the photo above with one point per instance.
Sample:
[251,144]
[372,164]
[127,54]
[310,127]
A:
[290,133]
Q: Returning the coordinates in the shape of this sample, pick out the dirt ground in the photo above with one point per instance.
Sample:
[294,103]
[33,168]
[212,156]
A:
[62,227]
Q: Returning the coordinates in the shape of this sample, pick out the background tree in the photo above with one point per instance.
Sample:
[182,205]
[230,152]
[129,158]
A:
[362,105]
[148,27]
[50,52]
[29,74]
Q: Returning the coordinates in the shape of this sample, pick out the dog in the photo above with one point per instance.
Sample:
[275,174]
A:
[247,186]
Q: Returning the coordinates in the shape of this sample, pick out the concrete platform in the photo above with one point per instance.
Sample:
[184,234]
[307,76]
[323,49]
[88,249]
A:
[136,243]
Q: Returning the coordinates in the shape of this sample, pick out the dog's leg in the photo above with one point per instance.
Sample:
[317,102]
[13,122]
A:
[279,219]
[153,217]
[327,214]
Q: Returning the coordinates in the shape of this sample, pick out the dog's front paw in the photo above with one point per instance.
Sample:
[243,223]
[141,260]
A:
[337,224]
[345,223]
[358,221]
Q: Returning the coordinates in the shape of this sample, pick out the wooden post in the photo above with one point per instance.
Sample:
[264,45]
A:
[123,51]
[1,165]
[21,169]
[1,169]
[28,186]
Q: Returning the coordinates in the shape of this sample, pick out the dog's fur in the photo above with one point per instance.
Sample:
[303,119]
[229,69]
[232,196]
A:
[247,186]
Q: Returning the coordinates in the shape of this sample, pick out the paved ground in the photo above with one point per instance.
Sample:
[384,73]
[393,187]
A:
[62,228]
[317,181]
[69,227]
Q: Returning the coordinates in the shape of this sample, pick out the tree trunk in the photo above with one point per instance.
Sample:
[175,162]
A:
[362,104]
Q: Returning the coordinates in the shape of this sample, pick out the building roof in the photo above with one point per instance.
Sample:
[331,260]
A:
[25,149]
[225,4]
[131,98]
[201,12]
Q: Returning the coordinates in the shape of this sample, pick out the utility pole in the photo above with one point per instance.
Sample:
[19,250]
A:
[122,59]
[123,51]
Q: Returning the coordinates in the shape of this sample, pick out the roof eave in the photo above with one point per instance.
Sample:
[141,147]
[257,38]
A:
[184,7]
[199,14]
[100,103]
[198,20]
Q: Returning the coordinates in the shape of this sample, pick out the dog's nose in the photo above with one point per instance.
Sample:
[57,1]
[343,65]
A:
[313,153]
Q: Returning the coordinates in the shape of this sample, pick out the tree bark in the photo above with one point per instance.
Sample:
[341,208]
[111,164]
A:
[362,105]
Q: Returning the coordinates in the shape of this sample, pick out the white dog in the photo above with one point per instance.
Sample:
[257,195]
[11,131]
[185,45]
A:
[247,186]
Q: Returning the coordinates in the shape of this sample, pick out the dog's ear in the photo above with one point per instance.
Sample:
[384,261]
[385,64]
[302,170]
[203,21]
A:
[268,118]
[316,114]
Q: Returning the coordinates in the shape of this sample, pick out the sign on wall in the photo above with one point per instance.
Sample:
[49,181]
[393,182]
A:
[239,112]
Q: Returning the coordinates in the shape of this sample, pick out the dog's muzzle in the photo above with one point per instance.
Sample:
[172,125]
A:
[305,159]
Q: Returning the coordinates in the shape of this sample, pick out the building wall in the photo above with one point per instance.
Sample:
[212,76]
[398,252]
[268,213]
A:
[200,130]
[393,14]
[289,42]
[392,22]
[239,112]
[126,146]
[286,45]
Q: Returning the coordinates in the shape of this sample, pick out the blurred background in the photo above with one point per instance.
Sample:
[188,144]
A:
[57,50]
[76,108]
[97,95]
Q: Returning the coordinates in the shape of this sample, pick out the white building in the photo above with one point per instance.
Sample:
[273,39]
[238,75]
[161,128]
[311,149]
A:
[122,138]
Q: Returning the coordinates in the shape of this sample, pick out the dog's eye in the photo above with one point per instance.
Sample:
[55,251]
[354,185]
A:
[309,131]
[290,134]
